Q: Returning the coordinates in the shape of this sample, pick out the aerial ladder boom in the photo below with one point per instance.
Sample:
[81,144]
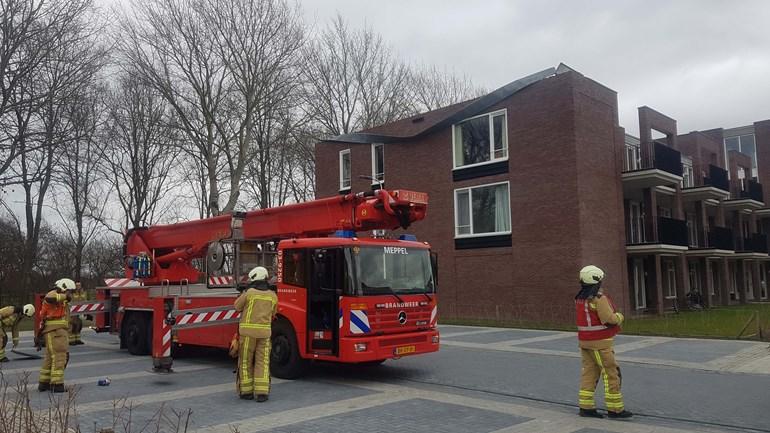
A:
[164,253]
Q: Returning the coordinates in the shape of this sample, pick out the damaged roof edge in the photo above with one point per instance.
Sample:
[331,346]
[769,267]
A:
[474,108]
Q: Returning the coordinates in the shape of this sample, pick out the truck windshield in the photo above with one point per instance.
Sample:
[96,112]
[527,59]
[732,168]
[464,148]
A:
[388,269]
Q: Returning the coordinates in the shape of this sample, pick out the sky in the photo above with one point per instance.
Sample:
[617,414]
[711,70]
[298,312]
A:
[705,63]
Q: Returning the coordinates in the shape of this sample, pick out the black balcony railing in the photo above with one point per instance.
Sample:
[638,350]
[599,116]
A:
[752,191]
[672,231]
[757,243]
[717,178]
[667,159]
[652,155]
[721,238]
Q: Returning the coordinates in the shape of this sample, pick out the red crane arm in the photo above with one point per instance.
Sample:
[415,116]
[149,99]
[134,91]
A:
[172,247]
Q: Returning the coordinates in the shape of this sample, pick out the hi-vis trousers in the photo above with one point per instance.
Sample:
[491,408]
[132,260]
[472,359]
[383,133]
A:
[55,361]
[253,365]
[600,364]
[76,325]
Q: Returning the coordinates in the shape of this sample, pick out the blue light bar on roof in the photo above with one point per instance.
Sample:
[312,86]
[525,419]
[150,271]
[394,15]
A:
[407,237]
[345,234]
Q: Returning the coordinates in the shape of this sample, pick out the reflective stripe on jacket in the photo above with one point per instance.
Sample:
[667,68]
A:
[53,311]
[589,324]
[257,307]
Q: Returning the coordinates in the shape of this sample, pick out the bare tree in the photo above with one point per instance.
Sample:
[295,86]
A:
[434,88]
[42,128]
[353,81]
[31,30]
[79,200]
[140,152]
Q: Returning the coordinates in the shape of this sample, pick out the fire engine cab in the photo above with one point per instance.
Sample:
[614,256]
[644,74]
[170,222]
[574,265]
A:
[343,297]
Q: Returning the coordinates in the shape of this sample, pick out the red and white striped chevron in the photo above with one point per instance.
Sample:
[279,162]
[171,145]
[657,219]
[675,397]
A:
[121,282]
[166,339]
[87,308]
[214,316]
[221,281]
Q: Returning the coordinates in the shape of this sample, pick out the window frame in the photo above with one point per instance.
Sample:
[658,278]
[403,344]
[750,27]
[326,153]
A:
[755,158]
[491,115]
[376,180]
[470,208]
[342,171]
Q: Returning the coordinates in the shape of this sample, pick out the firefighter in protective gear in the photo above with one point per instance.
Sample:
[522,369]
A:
[258,306]
[54,325]
[76,322]
[598,323]
[9,322]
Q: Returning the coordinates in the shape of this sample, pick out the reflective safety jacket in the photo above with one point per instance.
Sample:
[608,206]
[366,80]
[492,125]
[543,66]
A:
[54,311]
[9,320]
[257,307]
[597,318]
[79,295]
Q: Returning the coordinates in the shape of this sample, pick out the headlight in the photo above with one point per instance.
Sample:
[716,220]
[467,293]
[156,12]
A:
[359,347]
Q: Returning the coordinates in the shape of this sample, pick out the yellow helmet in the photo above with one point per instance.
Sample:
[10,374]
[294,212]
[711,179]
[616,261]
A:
[28,310]
[65,284]
[591,275]
[258,274]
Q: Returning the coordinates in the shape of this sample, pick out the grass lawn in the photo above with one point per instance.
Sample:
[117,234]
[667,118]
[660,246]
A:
[719,322]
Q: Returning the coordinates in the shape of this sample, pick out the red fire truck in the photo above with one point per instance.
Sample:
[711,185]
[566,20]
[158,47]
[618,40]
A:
[342,297]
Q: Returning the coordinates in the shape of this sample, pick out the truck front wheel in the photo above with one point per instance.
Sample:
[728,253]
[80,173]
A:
[285,360]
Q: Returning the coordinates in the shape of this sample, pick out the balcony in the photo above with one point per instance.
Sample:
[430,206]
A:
[650,165]
[719,243]
[670,237]
[756,243]
[714,187]
[747,194]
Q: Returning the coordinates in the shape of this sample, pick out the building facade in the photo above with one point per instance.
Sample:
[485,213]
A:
[535,180]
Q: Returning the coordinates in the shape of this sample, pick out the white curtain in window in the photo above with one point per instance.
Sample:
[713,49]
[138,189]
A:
[502,209]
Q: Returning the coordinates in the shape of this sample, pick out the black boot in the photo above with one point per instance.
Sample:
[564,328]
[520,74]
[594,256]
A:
[247,396]
[590,413]
[42,387]
[59,387]
[4,359]
[261,398]
[619,415]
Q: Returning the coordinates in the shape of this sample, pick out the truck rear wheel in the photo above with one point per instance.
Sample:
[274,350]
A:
[285,360]
[135,334]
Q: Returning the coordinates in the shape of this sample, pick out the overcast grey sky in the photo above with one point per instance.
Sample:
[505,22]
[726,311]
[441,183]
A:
[704,63]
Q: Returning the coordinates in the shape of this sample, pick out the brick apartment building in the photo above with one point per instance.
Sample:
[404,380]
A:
[532,181]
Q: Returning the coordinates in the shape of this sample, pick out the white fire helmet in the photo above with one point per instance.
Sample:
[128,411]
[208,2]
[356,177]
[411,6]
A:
[65,284]
[258,274]
[28,310]
[591,275]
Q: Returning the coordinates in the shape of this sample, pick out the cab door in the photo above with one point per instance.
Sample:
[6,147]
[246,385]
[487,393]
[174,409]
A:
[326,281]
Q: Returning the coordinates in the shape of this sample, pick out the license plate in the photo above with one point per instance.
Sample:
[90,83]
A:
[404,350]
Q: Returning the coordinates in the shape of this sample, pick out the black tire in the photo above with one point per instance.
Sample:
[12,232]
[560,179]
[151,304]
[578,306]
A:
[285,361]
[135,334]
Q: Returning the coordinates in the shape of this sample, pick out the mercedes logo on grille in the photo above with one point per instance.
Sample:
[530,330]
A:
[402,317]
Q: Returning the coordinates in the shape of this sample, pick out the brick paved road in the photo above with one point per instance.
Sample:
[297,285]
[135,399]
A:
[483,380]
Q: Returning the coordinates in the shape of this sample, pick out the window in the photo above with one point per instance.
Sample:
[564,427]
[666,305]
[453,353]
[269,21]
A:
[635,223]
[669,275]
[378,162]
[480,139]
[688,176]
[633,158]
[640,290]
[294,267]
[345,169]
[692,229]
[483,210]
[694,269]
[745,144]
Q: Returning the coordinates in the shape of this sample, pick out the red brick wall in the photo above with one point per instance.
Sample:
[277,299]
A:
[762,137]
[565,150]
